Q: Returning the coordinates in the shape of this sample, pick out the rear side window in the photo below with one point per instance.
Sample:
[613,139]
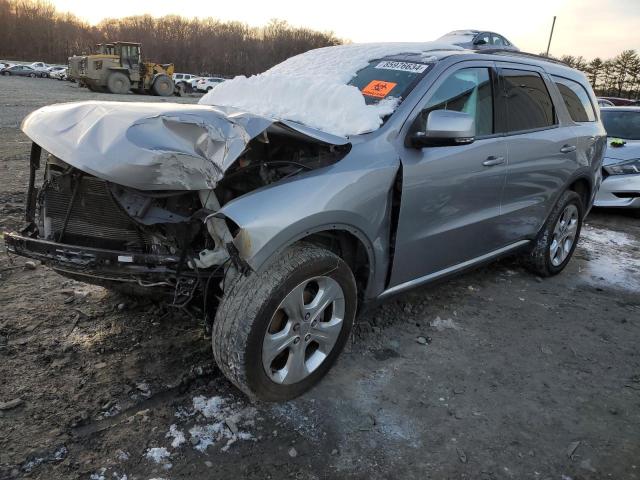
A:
[576,99]
[529,104]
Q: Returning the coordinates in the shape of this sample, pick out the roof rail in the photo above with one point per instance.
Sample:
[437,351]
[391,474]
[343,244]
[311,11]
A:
[523,54]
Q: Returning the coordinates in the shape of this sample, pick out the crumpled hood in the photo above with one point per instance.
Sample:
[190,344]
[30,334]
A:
[150,146]
[619,154]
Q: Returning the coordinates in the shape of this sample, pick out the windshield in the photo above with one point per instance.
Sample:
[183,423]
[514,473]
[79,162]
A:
[343,90]
[389,79]
[622,124]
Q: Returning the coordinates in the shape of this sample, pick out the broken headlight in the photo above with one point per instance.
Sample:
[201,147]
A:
[628,167]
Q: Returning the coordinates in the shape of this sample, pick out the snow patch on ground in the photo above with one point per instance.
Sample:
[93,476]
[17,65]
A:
[440,324]
[311,88]
[177,435]
[99,475]
[230,421]
[159,455]
[610,258]
[605,236]
[217,420]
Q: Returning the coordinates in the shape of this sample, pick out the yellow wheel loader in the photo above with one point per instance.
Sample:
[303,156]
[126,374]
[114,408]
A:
[118,68]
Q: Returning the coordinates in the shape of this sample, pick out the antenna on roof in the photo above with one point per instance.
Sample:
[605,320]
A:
[551,34]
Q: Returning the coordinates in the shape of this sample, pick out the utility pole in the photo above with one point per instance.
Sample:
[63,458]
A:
[551,34]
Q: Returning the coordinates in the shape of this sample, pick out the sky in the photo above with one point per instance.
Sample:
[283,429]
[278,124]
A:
[591,28]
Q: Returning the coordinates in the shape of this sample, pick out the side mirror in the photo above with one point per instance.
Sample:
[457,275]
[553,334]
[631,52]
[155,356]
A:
[445,127]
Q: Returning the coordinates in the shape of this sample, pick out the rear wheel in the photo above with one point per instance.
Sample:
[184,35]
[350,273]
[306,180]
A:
[162,86]
[278,332]
[557,241]
[118,82]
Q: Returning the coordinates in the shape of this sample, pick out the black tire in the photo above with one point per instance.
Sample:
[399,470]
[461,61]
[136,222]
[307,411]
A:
[539,260]
[251,302]
[7,74]
[162,86]
[118,82]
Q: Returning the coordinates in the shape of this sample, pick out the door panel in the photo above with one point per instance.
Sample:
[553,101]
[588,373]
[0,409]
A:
[450,207]
[536,171]
[451,194]
[541,150]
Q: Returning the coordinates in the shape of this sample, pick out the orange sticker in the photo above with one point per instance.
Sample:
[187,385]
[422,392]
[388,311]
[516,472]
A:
[378,88]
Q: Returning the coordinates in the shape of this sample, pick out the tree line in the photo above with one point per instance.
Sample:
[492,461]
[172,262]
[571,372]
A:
[614,77]
[35,30]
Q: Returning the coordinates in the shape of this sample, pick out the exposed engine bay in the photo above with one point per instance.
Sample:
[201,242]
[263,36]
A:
[154,241]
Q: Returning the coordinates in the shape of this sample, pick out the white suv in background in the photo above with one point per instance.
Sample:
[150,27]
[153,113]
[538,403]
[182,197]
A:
[183,77]
[207,83]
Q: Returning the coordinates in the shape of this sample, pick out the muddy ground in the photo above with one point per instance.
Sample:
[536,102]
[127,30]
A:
[518,378]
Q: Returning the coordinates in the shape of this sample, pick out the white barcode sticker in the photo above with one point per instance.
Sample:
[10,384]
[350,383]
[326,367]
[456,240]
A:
[402,66]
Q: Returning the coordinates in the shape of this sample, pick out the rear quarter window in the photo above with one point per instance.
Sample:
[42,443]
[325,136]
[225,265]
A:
[576,100]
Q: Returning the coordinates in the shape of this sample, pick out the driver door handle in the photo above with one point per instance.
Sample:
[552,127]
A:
[492,160]
[568,149]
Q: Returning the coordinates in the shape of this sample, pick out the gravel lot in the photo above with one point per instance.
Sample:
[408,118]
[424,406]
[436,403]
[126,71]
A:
[520,377]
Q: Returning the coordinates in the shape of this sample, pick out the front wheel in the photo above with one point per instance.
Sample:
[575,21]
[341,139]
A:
[278,332]
[557,241]
[118,82]
[162,86]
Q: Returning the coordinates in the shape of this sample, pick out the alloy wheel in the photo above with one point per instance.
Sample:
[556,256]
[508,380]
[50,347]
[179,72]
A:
[303,330]
[564,235]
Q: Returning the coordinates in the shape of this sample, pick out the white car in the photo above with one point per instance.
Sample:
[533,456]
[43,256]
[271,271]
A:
[41,67]
[183,78]
[207,83]
[620,186]
[59,74]
[54,70]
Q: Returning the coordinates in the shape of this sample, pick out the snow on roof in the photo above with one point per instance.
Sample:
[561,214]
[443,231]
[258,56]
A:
[311,88]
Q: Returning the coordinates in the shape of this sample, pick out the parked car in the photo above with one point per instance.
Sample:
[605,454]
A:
[603,102]
[21,71]
[620,102]
[183,77]
[621,171]
[207,83]
[478,40]
[41,67]
[288,201]
[59,74]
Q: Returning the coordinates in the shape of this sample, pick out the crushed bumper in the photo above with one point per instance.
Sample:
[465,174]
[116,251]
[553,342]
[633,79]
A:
[141,268]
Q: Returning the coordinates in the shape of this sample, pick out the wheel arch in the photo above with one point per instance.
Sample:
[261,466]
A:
[583,187]
[345,240]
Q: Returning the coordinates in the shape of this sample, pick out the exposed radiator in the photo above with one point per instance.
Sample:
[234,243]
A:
[95,220]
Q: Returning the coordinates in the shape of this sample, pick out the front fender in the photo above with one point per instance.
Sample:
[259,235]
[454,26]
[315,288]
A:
[338,197]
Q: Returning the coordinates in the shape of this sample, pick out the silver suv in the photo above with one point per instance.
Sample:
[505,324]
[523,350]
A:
[277,229]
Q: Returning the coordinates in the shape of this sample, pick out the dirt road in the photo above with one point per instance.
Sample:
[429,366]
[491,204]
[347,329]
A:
[513,376]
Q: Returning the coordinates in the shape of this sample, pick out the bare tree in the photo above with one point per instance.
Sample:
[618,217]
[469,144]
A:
[34,30]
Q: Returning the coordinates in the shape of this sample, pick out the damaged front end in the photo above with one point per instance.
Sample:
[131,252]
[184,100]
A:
[129,195]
